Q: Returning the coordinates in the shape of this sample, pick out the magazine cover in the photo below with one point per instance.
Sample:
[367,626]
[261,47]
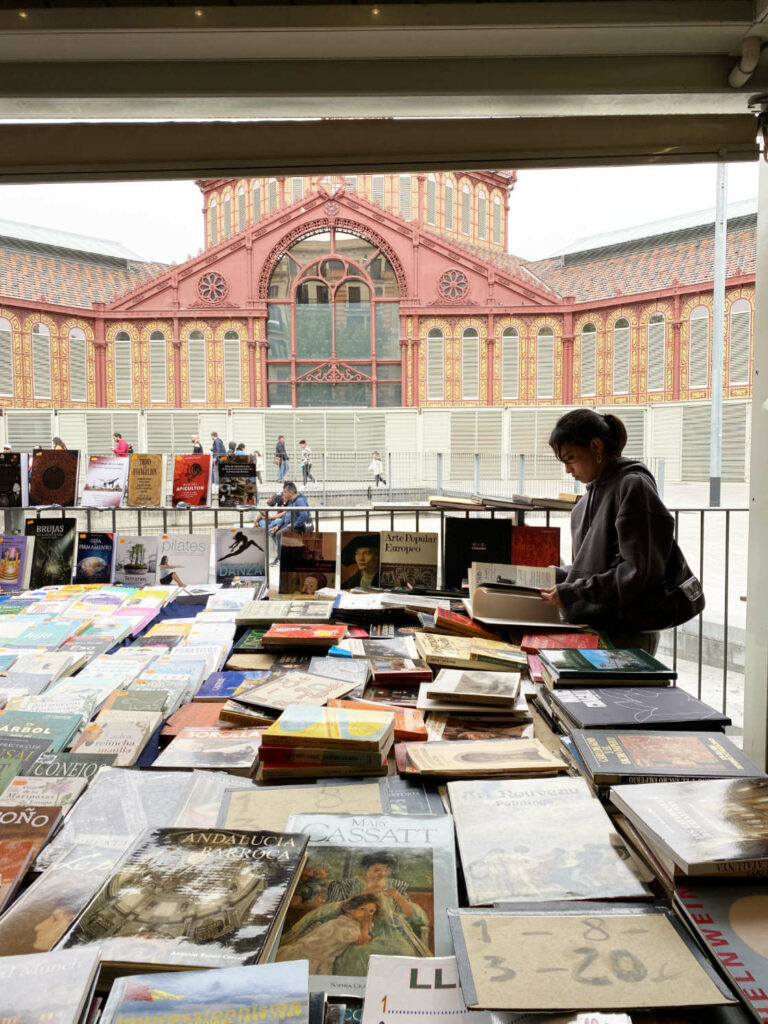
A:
[237,481]
[136,560]
[145,480]
[360,555]
[53,478]
[408,560]
[13,552]
[307,562]
[53,551]
[95,556]
[239,552]
[14,480]
[105,481]
[183,559]
[191,480]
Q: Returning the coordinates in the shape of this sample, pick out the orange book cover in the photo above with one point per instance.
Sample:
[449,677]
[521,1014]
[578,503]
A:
[200,714]
[191,480]
[15,856]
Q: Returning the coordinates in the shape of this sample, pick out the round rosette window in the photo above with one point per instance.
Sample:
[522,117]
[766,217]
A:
[453,285]
[212,286]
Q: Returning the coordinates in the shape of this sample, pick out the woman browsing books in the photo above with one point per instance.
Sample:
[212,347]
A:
[628,577]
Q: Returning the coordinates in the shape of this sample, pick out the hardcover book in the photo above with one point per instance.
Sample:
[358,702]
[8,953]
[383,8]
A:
[95,557]
[237,481]
[230,750]
[499,689]
[404,868]
[535,545]
[479,758]
[17,823]
[262,992]
[583,667]
[184,559]
[136,560]
[191,480]
[53,551]
[331,727]
[532,643]
[408,560]
[359,559]
[14,480]
[521,857]
[16,856]
[474,540]
[307,562]
[13,562]
[193,898]
[27,983]
[53,478]
[634,707]
[146,481]
[239,552]
[106,477]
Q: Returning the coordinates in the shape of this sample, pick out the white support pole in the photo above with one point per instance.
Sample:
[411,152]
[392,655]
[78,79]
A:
[756,659]
[718,327]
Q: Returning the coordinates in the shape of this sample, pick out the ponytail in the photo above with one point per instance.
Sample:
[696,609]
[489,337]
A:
[581,426]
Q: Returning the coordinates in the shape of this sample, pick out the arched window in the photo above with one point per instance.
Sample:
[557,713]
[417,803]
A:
[698,355]
[497,220]
[213,220]
[123,367]
[377,189]
[510,363]
[232,367]
[448,205]
[404,197]
[256,200]
[465,209]
[621,357]
[470,365]
[588,383]
[739,335]
[241,209]
[272,194]
[545,363]
[227,210]
[78,367]
[41,361]
[435,365]
[6,358]
[196,366]
[158,369]
[297,189]
[657,337]
[431,199]
[333,324]
[482,214]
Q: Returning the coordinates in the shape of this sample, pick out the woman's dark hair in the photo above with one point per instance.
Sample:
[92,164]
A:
[119,436]
[580,426]
[360,901]
[369,859]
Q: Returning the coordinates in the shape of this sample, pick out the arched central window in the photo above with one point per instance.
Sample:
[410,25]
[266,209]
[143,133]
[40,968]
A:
[333,324]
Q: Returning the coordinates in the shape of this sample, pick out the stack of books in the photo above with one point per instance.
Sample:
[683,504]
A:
[597,667]
[308,742]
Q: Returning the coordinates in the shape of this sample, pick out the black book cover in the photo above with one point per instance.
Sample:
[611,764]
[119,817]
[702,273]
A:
[635,707]
[474,540]
[53,552]
[10,480]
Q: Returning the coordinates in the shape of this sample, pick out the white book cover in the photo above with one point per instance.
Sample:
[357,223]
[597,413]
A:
[239,552]
[106,477]
[408,559]
[184,559]
[416,990]
[136,560]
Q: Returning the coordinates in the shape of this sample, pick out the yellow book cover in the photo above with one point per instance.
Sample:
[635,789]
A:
[333,727]
[483,757]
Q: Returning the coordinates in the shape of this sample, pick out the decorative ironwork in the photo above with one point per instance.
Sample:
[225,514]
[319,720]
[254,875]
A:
[334,373]
[453,285]
[331,208]
[212,287]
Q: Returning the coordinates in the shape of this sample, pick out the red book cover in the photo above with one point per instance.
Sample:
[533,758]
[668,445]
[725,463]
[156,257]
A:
[533,642]
[534,669]
[303,633]
[191,480]
[535,545]
[461,624]
[400,671]
[409,723]
[198,714]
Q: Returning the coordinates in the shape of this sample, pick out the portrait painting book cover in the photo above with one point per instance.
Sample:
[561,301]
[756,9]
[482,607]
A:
[307,562]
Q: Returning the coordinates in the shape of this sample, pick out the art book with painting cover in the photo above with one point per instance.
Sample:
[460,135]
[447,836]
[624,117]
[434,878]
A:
[53,551]
[633,707]
[136,560]
[532,643]
[262,992]
[184,559]
[307,562]
[13,562]
[29,982]
[237,481]
[16,855]
[408,560]
[191,480]
[95,557]
[239,552]
[584,667]
[381,884]
[223,895]
[214,748]
[53,477]
[146,481]
[483,758]
[18,824]
[14,480]
[106,478]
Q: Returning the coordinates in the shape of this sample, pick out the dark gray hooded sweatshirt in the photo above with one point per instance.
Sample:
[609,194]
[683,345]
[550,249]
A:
[622,540]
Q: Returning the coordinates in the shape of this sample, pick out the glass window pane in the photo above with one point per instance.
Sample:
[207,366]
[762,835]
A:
[313,330]
[388,330]
[279,331]
[310,248]
[389,394]
[352,310]
[388,371]
[278,371]
[354,248]
[279,394]
[383,277]
[332,270]
[283,276]
[357,394]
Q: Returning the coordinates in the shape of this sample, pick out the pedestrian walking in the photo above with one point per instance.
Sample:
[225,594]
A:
[305,458]
[121,445]
[377,468]
[197,448]
[58,445]
[217,450]
[232,447]
[281,458]
[258,459]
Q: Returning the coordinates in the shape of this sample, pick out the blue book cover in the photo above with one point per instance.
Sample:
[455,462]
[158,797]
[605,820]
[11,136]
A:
[95,557]
[50,635]
[223,685]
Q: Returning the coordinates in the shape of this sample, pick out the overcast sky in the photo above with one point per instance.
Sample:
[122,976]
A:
[548,210]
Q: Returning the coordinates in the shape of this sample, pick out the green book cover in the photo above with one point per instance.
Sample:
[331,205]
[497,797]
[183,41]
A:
[9,768]
[57,729]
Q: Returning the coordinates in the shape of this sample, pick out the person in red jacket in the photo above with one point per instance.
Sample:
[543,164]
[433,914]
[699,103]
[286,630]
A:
[121,445]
